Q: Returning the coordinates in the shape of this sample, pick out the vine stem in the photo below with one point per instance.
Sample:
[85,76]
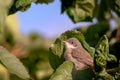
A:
[113,70]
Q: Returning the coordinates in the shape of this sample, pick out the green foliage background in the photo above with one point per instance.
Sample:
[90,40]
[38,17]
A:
[47,62]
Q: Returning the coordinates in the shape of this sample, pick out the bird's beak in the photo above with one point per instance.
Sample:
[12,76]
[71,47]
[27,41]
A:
[68,45]
[64,42]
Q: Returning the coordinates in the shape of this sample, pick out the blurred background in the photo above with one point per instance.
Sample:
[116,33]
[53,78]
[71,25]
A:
[28,35]
[46,20]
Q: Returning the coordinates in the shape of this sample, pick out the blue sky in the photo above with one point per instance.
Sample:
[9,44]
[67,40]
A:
[45,19]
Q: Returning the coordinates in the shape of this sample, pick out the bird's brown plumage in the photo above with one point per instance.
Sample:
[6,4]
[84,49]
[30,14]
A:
[77,54]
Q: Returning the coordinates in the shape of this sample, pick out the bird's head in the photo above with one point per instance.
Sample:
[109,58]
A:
[71,43]
[68,45]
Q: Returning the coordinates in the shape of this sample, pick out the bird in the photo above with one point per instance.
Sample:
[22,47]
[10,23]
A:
[75,53]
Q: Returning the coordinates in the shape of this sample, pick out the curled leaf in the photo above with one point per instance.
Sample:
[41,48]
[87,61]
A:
[78,10]
[100,60]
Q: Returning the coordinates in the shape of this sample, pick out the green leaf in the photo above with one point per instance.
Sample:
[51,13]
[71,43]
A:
[44,1]
[23,5]
[64,72]
[101,10]
[117,2]
[101,53]
[78,10]
[57,48]
[84,74]
[100,59]
[4,8]
[115,6]
[13,64]
[95,32]
[4,75]
[20,5]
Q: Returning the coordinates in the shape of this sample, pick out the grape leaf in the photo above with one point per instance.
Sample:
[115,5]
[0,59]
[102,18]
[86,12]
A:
[78,10]
[44,1]
[100,59]
[64,72]
[13,64]
[23,5]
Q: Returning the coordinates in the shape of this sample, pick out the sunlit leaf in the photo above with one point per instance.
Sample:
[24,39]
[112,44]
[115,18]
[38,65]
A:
[20,5]
[13,64]
[78,10]
[23,5]
[64,72]
[4,75]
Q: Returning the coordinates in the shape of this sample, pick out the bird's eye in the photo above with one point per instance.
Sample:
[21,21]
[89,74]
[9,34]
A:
[71,42]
